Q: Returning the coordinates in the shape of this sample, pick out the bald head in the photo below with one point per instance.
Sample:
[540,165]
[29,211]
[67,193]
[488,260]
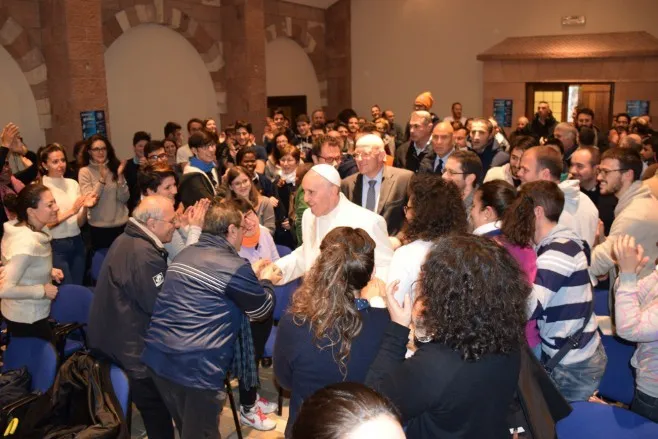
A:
[632,141]
[157,214]
[442,142]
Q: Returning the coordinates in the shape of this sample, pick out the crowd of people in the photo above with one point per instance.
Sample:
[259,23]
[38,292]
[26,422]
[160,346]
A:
[431,257]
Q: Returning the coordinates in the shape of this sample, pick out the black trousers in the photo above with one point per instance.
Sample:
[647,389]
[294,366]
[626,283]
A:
[103,237]
[195,411]
[39,329]
[156,416]
[260,332]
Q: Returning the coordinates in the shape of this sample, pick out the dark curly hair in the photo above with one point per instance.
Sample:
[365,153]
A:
[112,161]
[473,297]
[326,298]
[437,208]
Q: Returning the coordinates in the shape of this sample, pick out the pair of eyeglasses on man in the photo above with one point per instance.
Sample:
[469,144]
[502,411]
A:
[155,157]
[605,172]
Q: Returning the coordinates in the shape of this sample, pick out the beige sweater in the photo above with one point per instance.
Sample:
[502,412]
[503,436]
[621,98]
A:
[111,209]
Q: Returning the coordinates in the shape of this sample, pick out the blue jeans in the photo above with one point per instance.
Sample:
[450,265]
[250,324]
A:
[69,256]
[645,405]
[579,381]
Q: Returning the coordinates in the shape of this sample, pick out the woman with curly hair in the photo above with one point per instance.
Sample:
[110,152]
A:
[434,209]
[329,334]
[471,310]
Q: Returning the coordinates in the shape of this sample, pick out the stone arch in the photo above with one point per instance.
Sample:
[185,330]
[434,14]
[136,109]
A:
[15,39]
[159,12]
[307,34]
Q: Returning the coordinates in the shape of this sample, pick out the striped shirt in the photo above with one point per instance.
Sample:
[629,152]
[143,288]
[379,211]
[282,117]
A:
[561,298]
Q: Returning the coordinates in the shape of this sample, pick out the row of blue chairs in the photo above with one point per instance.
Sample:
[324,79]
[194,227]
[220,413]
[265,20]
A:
[42,362]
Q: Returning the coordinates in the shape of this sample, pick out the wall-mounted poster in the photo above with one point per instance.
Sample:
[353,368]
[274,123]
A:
[93,122]
[502,112]
[637,108]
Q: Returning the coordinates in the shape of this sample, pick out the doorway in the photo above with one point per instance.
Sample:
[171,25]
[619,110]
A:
[563,98]
[292,106]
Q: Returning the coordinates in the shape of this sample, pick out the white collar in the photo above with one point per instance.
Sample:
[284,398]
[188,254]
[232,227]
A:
[486,228]
[378,178]
[148,232]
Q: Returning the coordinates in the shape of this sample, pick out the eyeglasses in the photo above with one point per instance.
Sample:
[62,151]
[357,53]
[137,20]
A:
[605,172]
[172,222]
[241,183]
[98,149]
[451,172]
[362,155]
[158,157]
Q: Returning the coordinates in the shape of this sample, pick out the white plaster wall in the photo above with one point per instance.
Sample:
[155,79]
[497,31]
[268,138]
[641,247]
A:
[17,102]
[289,72]
[154,75]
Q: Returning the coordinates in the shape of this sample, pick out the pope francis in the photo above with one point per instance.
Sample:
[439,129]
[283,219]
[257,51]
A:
[329,208]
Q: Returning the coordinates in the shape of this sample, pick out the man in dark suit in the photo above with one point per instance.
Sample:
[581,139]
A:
[411,153]
[442,147]
[380,188]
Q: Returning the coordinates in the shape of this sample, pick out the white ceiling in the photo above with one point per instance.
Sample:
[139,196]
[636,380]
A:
[323,4]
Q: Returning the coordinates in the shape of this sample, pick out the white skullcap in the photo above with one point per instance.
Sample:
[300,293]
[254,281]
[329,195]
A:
[370,140]
[328,172]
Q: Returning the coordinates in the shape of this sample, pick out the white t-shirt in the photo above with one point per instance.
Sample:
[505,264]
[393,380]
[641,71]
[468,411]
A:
[184,154]
[65,191]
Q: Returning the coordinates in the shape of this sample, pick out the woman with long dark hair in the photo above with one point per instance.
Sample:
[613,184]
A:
[101,174]
[330,334]
[27,256]
[241,186]
[68,246]
[469,315]
[434,209]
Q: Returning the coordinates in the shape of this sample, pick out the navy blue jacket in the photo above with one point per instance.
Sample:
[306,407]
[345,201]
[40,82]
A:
[303,368]
[207,289]
[128,285]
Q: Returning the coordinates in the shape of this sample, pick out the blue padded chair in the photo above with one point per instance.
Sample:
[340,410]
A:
[97,263]
[618,382]
[39,356]
[121,387]
[601,421]
[72,306]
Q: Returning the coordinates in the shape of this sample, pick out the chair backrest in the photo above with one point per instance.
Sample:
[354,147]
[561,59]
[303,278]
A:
[618,381]
[283,250]
[121,387]
[39,356]
[97,262]
[602,421]
[72,304]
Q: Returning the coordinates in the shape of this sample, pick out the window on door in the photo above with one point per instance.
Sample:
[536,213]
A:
[554,99]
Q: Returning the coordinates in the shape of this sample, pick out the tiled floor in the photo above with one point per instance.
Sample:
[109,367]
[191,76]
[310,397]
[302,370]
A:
[226,424]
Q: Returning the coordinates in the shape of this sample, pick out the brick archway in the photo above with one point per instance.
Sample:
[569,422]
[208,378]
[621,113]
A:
[310,37]
[159,12]
[15,39]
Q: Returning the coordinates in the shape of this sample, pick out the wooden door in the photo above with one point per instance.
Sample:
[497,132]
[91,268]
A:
[597,97]
[292,107]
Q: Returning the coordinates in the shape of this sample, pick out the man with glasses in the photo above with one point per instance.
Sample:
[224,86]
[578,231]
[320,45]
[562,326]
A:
[129,282]
[636,213]
[464,169]
[328,151]
[200,177]
[379,188]
[200,325]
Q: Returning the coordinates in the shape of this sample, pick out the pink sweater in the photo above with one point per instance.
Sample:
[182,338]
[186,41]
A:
[527,259]
[636,319]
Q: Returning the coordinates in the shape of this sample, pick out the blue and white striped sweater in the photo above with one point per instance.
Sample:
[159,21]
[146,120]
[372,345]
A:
[561,297]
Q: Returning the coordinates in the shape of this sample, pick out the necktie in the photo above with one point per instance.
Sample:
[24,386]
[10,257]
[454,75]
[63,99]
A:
[370,200]
[439,167]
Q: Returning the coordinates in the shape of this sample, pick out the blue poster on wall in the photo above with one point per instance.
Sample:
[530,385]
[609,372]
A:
[502,112]
[637,108]
[93,122]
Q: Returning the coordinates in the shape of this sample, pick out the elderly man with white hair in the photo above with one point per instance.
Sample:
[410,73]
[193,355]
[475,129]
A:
[376,187]
[328,209]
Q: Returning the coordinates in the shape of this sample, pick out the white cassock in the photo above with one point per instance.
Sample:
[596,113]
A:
[314,229]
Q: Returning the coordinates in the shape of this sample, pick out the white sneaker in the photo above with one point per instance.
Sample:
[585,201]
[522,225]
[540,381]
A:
[256,419]
[266,406]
